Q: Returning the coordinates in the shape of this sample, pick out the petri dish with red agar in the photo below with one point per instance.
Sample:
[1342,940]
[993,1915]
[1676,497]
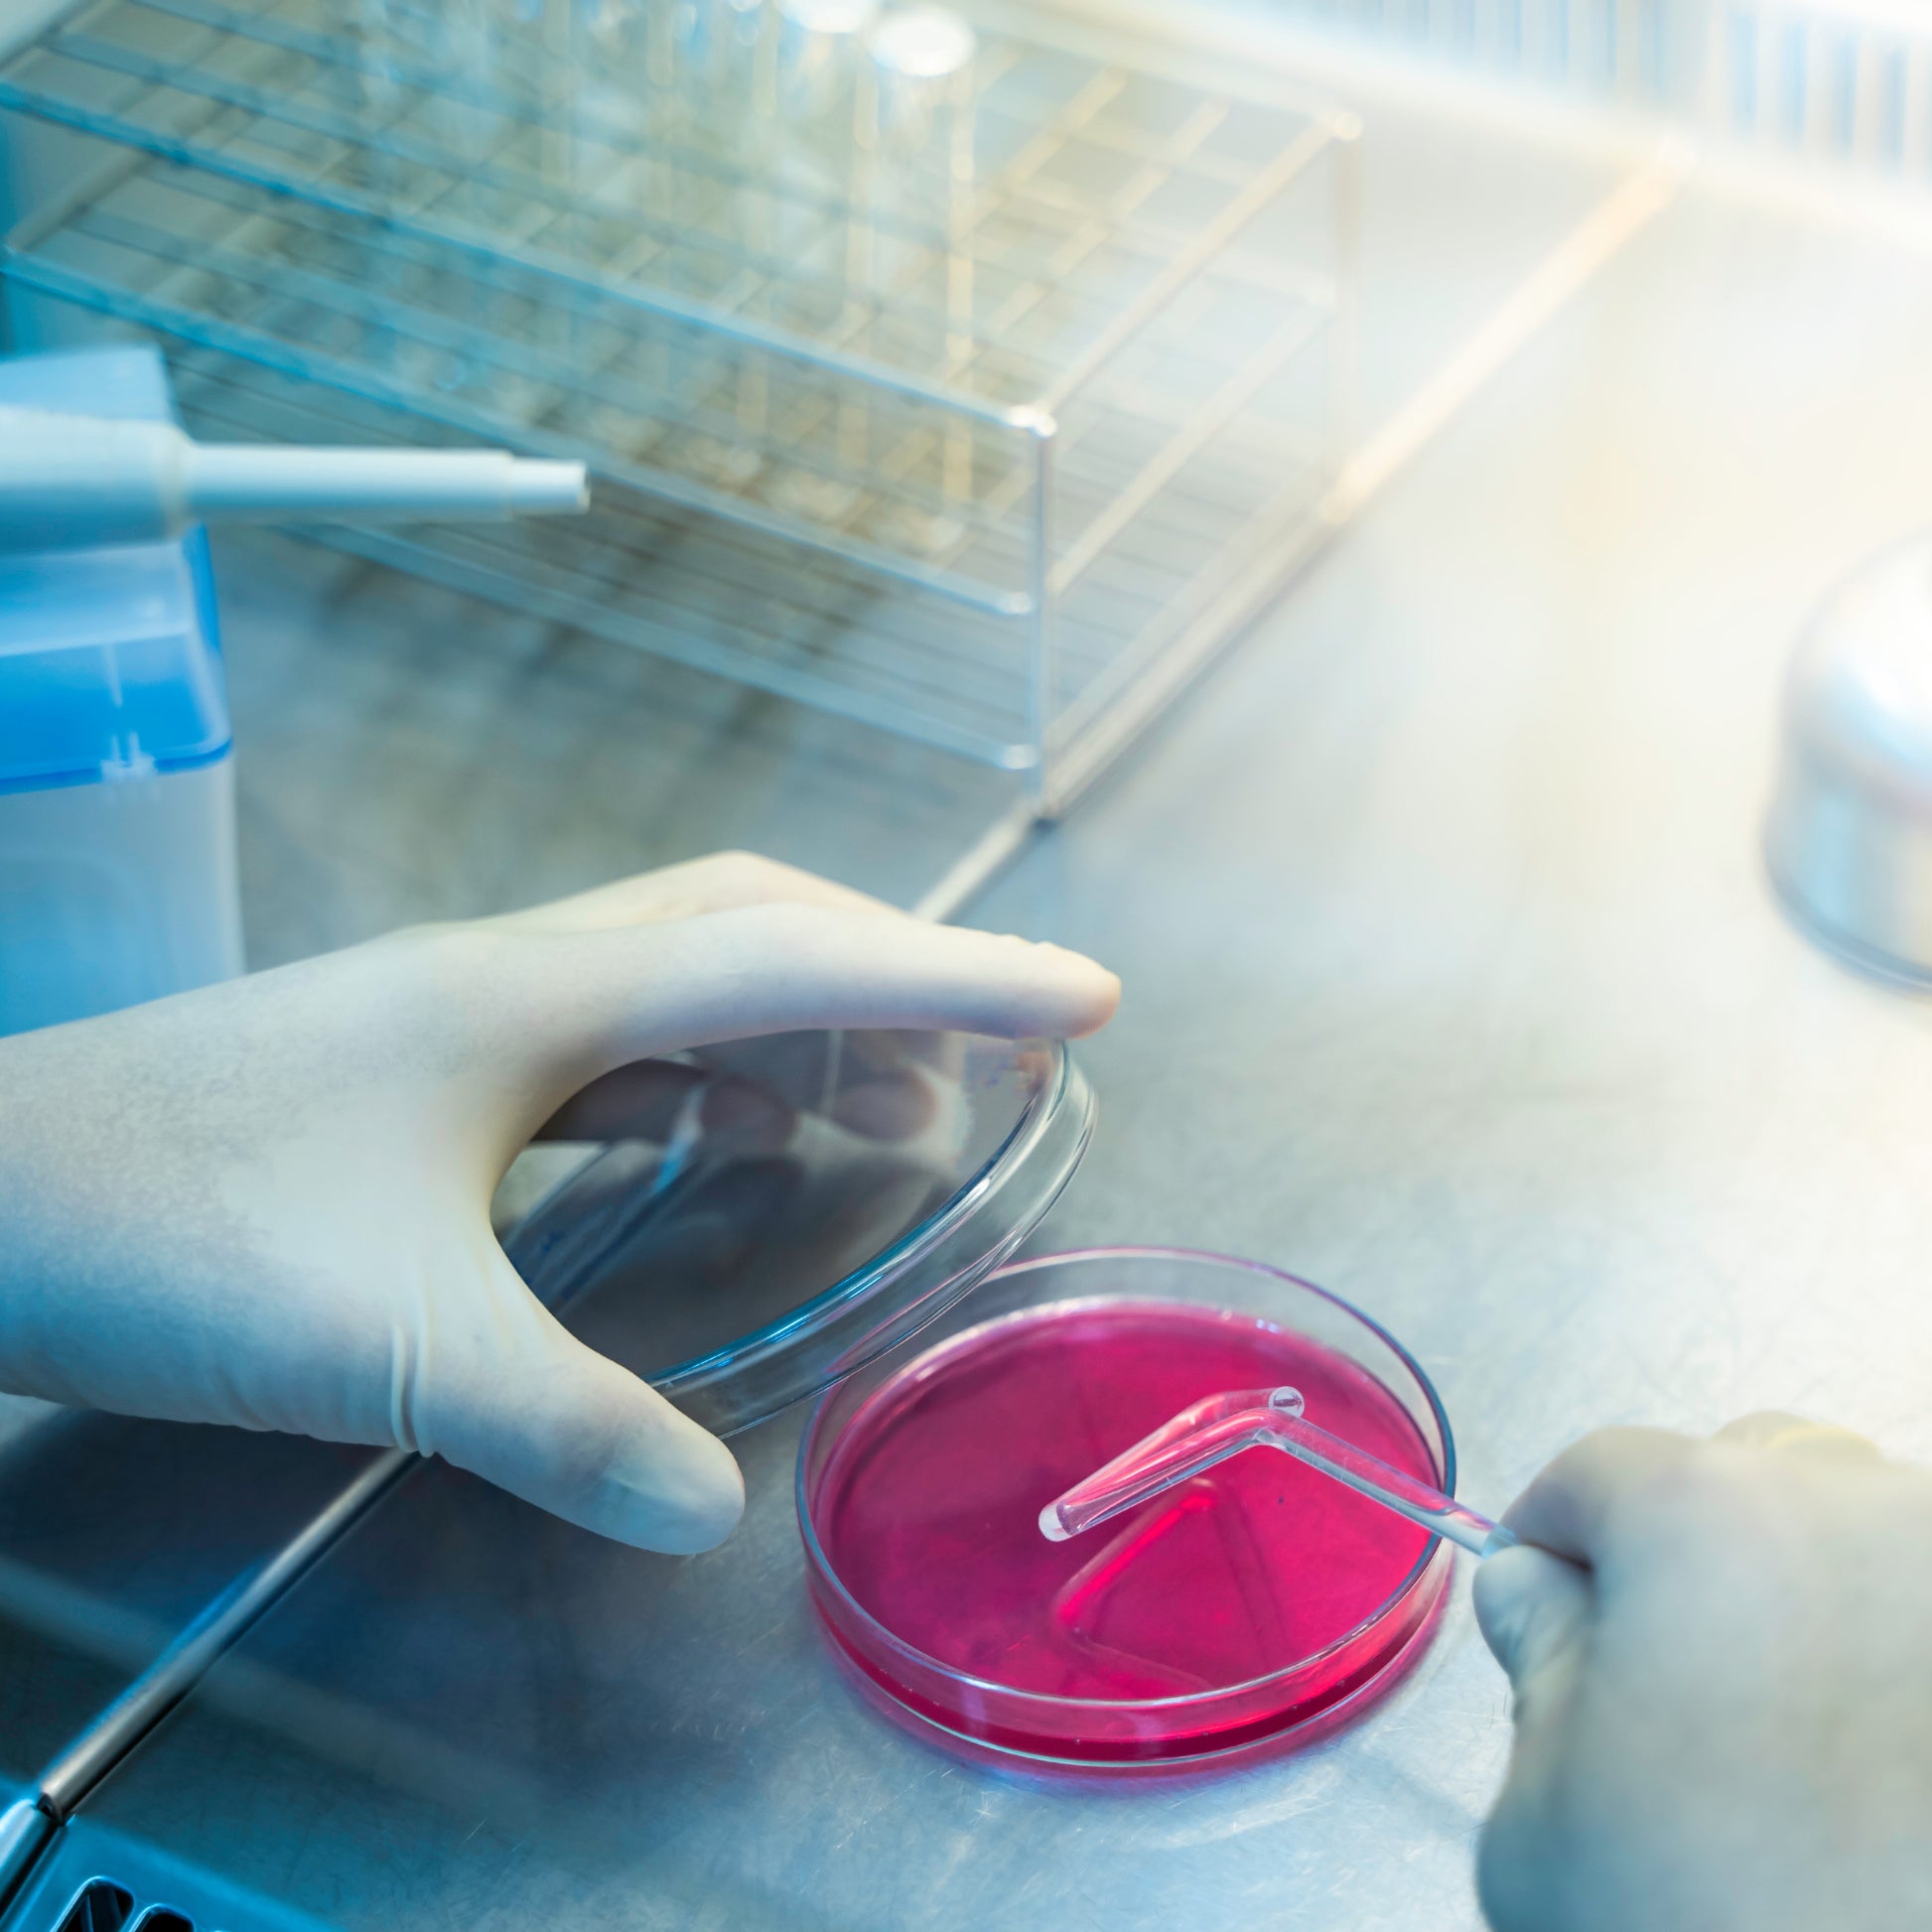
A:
[1252,1603]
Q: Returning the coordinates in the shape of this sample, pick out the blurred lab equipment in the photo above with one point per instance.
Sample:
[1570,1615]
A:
[973,383]
[1841,86]
[1850,837]
[117,838]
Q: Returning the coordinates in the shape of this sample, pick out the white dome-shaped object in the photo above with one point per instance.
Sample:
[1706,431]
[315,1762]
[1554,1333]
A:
[1850,838]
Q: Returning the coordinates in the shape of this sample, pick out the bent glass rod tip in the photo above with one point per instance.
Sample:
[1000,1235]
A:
[1221,1426]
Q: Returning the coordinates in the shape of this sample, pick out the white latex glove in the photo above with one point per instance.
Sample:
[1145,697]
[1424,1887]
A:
[1725,1722]
[268,1203]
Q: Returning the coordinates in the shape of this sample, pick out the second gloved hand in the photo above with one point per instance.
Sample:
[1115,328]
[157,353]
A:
[268,1203]
[1724,1695]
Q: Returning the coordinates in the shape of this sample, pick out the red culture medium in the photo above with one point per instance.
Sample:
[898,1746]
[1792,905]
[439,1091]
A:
[1239,1603]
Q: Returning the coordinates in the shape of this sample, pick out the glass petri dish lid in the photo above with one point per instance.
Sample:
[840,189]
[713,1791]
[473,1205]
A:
[768,1218]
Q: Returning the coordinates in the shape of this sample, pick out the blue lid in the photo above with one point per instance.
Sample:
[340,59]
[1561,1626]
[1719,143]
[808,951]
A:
[109,659]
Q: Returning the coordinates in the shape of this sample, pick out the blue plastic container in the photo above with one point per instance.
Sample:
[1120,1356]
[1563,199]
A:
[117,844]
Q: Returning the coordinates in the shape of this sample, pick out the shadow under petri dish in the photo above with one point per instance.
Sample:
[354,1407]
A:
[927,1512]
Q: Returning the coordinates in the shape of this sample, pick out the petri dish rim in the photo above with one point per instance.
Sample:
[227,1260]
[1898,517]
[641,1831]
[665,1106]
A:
[822,1565]
[1243,1751]
[1046,1100]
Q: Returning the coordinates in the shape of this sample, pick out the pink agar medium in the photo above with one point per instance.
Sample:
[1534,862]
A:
[1258,1568]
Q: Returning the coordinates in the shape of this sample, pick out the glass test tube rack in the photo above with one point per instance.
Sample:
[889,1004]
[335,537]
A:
[971,380]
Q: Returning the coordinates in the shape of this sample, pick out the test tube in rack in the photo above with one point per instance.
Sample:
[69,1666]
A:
[821,56]
[916,121]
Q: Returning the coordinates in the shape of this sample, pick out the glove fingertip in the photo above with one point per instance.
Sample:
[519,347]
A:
[1528,1602]
[677,1490]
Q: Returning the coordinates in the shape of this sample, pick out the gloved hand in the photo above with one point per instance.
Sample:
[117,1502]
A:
[1725,1721]
[268,1203]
